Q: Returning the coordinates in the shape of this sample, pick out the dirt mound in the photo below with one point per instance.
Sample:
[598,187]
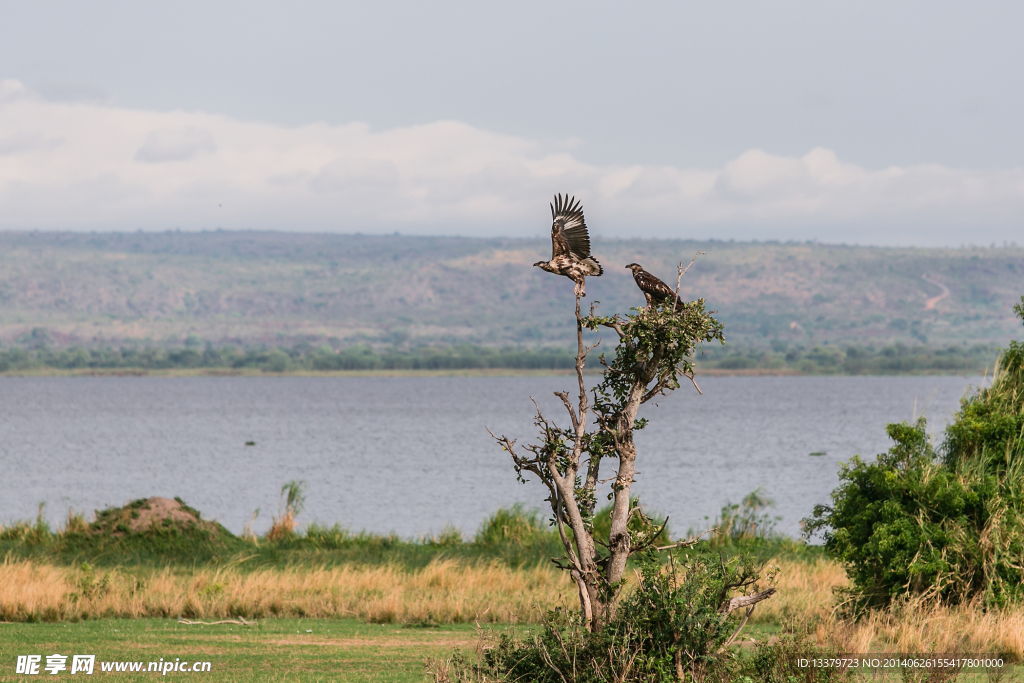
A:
[156,509]
[146,514]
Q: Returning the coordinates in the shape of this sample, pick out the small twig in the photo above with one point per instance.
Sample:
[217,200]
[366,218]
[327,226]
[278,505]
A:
[688,542]
[654,537]
[682,271]
[690,376]
[240,621]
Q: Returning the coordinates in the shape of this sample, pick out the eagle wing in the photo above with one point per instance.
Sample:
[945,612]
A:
[569,236]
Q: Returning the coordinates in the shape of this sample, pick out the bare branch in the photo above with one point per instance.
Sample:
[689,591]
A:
[658,388]
[615,326]
[564,395]
[241,621]
[688,543]
[557,505]
[679,279]
[689,376]
[746,618]
[682,271]
[745,600]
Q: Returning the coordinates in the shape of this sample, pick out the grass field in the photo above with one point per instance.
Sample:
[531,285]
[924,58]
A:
[332,605]
[272,650]
[380,623]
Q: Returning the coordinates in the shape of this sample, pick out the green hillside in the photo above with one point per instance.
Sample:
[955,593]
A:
[60,290]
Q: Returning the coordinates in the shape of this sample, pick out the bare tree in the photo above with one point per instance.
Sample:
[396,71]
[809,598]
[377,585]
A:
[655,349]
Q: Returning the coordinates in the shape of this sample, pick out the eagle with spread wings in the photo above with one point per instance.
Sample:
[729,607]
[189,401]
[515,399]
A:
[655,291]
[570,244]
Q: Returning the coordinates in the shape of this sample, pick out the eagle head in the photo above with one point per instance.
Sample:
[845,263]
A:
[635,267]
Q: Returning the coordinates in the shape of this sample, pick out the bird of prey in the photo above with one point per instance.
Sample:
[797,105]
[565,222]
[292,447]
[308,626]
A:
[655,291]
[570,244]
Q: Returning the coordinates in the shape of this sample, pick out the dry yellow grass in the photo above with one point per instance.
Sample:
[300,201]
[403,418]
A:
[804,592]
[445,591]
[448,591]
[935,628]
[806,595]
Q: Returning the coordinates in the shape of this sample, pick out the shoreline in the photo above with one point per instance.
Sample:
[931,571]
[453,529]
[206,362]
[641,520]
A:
[465,372]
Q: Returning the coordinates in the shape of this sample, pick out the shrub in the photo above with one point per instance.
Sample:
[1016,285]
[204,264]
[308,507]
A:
[293,499]
[904,523]
[514,526]
[913,523]
[746,523]
[675,624]
[778,660]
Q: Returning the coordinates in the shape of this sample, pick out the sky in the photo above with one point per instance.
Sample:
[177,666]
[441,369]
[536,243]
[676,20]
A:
[849,122]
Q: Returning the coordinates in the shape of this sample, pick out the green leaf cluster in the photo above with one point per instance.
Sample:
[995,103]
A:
[656,343]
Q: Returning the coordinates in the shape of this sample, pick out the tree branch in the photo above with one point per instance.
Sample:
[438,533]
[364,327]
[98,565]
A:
[614,324]
[688,543]
[745,601]
[557,505]
[746,617]
[564,395]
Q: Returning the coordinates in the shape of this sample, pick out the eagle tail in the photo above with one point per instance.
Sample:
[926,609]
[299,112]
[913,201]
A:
[593,267]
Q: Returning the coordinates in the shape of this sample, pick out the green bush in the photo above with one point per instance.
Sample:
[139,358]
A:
[913,523]
[778,660]
[746,524]
[904,523]
[514,526]
[671,625]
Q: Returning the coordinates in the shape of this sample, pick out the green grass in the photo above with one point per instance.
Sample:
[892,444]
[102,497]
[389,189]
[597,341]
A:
[514,536]
[273,650]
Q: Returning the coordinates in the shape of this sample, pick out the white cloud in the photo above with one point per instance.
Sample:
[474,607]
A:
[175,144]
[81,165]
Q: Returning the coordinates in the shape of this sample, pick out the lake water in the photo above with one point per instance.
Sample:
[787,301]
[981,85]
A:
[410,454]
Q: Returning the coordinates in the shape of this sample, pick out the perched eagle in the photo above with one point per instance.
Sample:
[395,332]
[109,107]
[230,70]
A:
[570,244]
[655,291]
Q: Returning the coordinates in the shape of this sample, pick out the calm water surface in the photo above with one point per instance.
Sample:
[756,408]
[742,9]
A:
[410,454]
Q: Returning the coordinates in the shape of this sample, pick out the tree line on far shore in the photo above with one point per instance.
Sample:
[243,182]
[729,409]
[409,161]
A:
[805,359]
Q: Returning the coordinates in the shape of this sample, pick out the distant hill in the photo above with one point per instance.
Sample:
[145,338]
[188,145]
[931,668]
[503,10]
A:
[283,289]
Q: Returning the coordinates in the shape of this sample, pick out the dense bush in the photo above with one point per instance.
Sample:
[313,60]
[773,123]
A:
[672,626]
[904,523]
[946,525]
